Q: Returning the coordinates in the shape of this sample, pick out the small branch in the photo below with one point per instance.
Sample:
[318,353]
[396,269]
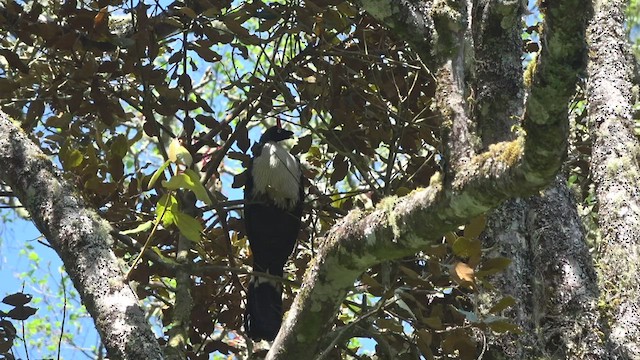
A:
[64,314]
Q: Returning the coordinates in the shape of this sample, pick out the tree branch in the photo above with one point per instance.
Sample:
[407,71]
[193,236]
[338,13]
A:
[82,240]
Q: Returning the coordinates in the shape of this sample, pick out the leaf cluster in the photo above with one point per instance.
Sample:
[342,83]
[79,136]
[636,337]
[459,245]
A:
[20,311]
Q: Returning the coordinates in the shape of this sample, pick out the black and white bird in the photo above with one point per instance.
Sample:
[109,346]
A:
[273,196]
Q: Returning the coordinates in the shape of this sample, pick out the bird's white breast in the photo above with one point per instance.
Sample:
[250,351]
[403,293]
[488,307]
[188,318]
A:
[276,173]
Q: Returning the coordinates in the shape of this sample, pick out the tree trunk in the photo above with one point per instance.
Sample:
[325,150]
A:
[616,173]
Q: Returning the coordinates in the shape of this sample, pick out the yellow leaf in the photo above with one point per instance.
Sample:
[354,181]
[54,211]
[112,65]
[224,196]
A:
[179,154]
[463,274]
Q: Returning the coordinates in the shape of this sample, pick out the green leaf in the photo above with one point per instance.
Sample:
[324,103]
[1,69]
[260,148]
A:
[147,225]
[493,266]
[157,174]
[17,299]
[188,180]
[390,324]
[475,227]
[189,227]
[504,303]
[198,189]
[470,316]
[433,322]
[119,146]
[164,207]
[21,312]
[70,157]
[179,181]
[467,247]
[501,325]
[163,257]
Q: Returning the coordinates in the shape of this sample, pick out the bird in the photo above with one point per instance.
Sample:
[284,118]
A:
[273,201]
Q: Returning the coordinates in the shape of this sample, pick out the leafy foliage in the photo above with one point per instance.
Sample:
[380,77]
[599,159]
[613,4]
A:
[20,311]
[151,111]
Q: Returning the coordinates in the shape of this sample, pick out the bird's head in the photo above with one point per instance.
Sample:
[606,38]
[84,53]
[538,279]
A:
[275,134]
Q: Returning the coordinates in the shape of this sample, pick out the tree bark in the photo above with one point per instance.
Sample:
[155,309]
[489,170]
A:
[616,172]
[82,240]
[551,275]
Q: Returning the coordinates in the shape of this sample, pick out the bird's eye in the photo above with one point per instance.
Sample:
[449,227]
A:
[279,131]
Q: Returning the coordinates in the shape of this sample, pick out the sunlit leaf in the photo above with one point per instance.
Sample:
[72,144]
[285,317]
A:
[179,154]
[463,274]
[164,208]
[188,226]
[188,180]
[157,174]
[147,225]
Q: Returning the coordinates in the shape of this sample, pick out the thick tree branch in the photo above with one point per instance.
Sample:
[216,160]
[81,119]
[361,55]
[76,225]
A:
[400,227]
[409,19]
[82,240]
[497,68]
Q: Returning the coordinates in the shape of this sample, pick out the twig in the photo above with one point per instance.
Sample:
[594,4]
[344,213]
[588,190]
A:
[24,335]
[153,231]
[64,315]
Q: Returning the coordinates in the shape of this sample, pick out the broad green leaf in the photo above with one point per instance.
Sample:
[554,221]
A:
[157,174]
[70,157]
[188,226]
[470,316]
[433,322]
[119,146]
[467,247]
[17,299]
[475,227]
[504,303]
[392,325]
[493,266]
[198,189]
[162,256]
[164,208]
[188,180]
[147,225]
[501,325]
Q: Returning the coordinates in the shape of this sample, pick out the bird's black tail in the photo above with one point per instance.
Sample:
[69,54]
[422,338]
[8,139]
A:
[263,314]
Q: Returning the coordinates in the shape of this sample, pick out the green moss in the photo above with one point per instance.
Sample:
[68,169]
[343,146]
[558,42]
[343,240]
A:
[387,205]
[511,151]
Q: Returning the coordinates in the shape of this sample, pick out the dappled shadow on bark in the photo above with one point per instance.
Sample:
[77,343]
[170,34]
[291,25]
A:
[552,276]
